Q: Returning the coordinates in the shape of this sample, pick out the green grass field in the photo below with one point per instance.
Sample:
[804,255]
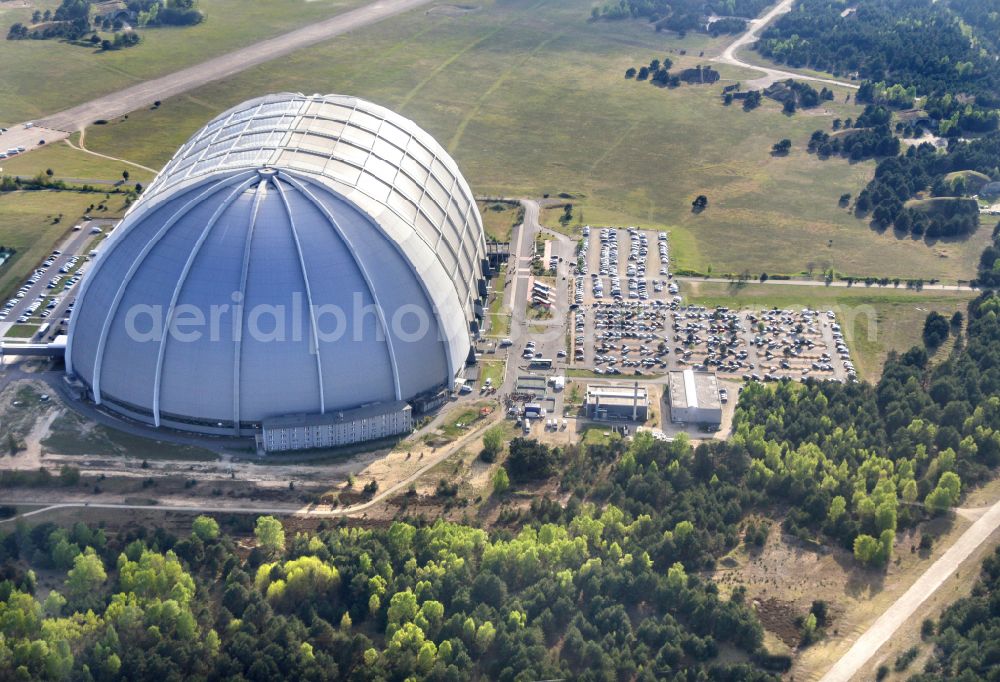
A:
[72,74]
[530,98]
[550,218]
[499,316]
[70,435]
[493,370]
[21,331]
[499,218]
[876,320]
[72,165]
[29,224]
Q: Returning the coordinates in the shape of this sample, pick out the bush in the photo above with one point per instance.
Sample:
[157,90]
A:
[492,444]
[936,329]
[904,660]
[530,460]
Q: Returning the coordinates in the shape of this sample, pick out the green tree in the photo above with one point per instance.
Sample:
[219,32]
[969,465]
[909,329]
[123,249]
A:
[809,629]
[677,576]
[156,576]
[493,441]
[838,506]
[54,603]
[946,494]
[270,534]
[866,549]
[85,579]
[936,329]
[501,482]
[484,636]
[205,528]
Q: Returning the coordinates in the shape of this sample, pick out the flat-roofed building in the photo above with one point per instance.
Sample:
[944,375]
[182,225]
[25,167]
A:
[621,402]
[694,398]
[305,431]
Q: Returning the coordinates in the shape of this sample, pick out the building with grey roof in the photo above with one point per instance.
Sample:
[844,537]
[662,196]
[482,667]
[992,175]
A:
[694,398]
[299,255]
[606,402]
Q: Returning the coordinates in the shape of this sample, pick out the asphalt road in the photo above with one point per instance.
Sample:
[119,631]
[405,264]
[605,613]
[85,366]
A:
[770,76]
[868,644]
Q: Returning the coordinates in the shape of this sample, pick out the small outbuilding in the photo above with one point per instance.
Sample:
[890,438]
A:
[619,402]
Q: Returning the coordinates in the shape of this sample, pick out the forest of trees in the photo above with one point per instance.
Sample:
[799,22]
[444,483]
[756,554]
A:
[912,43]
[989,262]
[902,51]
[983,19]
[576,600]
[844,455]
[899,178]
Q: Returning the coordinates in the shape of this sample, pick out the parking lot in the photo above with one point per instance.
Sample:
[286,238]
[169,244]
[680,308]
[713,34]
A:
[617,312]
[763,345]
[618,263]
[622,289]
[625,322]
[47,296]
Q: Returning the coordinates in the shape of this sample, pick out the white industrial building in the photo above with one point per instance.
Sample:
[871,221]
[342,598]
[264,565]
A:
[694,398]
[617,402]
[306,431]
[299,255]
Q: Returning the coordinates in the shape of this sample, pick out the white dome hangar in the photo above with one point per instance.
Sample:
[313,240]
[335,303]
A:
[213,305]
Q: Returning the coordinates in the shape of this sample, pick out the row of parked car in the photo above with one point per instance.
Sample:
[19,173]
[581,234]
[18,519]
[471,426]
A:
[35,278]
[13,151]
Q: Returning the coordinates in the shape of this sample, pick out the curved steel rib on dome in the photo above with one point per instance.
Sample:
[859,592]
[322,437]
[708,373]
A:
[309,297]
[329,196]
[361,268]
[112,310]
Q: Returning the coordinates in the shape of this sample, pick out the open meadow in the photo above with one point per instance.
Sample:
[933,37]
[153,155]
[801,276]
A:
[531,99]
[73,165]
[41,77]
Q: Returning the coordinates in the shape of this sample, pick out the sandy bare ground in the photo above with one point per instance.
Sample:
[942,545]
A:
[394,473]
